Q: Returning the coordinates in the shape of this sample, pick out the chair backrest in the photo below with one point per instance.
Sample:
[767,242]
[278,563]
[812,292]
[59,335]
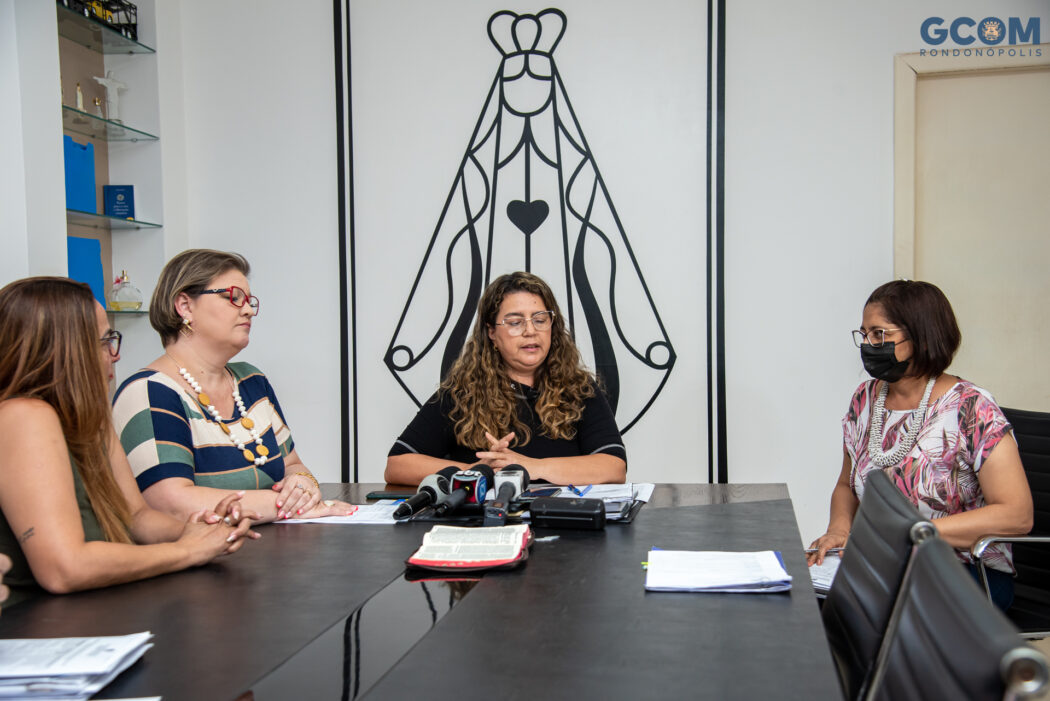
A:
[1031,609]
[869,577]
[949,641]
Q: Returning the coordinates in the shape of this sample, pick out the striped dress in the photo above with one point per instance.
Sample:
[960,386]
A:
[166,433]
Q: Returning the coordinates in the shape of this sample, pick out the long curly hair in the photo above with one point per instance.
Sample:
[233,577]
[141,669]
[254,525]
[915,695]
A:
[49,350]
[484,398]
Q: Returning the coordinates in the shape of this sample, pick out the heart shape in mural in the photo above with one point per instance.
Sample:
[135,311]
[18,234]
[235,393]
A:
[527,216]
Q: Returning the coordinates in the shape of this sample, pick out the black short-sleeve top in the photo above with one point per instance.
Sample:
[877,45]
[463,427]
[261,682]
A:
[432,432]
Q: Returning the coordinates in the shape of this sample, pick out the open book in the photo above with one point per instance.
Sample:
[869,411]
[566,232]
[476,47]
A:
[465,549]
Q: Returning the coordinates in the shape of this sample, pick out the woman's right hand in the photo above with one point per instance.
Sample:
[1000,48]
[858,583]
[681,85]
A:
[330,507]
[205,541]
[824,543]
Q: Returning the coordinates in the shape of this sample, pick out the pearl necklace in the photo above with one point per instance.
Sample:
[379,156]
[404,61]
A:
[247,423]
[894,456]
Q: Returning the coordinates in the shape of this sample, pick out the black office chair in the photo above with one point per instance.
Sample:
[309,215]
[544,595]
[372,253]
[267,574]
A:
[948,641]
[1031,607]
[861,599]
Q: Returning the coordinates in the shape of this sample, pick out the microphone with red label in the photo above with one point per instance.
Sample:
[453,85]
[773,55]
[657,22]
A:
[433,489]
[468,489]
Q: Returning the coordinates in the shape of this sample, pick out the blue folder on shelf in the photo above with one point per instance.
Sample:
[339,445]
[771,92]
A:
[85,264]
[80,175]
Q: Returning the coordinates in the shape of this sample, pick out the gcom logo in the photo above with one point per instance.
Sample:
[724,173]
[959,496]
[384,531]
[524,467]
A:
[990,31]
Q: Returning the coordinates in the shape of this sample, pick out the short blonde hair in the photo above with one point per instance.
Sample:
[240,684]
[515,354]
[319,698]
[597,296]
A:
[189,272]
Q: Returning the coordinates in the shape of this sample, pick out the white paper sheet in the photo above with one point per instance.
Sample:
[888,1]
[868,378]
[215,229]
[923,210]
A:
[686,570]
[381,512]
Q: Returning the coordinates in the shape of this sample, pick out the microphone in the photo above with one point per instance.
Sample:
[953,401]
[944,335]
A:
[468,488]
[433,489]
[511,481]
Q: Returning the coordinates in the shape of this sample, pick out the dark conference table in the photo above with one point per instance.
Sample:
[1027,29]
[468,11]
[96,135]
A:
[319,611]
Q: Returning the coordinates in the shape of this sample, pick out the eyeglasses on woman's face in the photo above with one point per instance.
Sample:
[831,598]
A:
[111,342]
[515,324]
[875,338]
[237,297]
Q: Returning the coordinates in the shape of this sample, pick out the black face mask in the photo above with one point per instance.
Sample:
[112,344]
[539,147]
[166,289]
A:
[881,363]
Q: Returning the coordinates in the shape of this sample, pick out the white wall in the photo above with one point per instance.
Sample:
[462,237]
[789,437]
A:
[32,190]
[258,89]
[809,221]
[14,263]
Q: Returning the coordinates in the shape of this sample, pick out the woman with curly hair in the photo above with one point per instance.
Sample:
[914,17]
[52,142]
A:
[517,394]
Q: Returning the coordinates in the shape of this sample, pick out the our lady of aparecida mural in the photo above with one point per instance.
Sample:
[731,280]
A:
[528,195]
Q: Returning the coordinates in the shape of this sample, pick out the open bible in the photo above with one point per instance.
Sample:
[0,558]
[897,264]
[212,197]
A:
[466,549]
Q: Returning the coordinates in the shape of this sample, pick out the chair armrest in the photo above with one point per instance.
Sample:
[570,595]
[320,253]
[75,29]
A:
[982,544]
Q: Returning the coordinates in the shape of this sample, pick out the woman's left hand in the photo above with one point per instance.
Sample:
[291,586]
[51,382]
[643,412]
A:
[298,494]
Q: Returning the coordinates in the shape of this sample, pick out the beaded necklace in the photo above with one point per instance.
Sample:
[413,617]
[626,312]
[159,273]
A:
[894,456]
[205,402]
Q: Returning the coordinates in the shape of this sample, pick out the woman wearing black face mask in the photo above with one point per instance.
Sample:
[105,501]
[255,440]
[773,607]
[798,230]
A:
[942,440]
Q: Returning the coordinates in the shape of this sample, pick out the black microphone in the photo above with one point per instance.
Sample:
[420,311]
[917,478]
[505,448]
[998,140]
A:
[433,489]
[468,488]
[511,481]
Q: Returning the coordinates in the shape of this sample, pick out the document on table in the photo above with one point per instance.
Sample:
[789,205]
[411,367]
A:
[716,571]
[381,512]
[66,668]
[823,575]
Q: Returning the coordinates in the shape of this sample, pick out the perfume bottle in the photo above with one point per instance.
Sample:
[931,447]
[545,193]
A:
[124,297]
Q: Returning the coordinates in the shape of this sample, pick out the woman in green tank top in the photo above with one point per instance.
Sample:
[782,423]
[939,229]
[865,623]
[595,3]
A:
[71,514]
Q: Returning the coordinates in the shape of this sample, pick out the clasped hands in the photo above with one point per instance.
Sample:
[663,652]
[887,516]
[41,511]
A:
[229,513]
[499,454]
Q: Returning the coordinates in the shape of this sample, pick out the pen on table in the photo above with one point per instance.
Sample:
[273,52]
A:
[580,492]
[830,550]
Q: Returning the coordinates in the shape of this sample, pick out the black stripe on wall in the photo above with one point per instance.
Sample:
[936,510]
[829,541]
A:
[720,230]
[347,289]
[717,457]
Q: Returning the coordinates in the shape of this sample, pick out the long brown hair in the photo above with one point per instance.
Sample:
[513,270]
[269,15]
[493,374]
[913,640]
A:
[482,396]
[49,350]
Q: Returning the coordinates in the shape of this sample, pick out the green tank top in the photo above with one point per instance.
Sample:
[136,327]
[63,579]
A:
[20,579]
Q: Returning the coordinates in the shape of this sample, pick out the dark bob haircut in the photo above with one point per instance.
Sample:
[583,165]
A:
[925,314]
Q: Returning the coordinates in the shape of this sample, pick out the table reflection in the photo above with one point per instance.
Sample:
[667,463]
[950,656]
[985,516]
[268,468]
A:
[346,660]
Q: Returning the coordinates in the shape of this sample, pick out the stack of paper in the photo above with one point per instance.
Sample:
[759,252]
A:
[823,575]
[66,668]
[713,571]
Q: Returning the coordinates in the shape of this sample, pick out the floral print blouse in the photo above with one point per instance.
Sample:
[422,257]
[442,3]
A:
[939,474]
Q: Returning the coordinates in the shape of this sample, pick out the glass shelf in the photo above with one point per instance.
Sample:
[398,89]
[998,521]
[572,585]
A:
[91,220]
[96,36]
[127,312]
[87,124]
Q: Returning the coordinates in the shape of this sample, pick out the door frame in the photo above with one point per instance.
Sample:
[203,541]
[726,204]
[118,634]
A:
[907,68]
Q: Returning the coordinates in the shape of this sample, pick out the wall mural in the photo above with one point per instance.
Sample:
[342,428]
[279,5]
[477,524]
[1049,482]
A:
[528,195]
